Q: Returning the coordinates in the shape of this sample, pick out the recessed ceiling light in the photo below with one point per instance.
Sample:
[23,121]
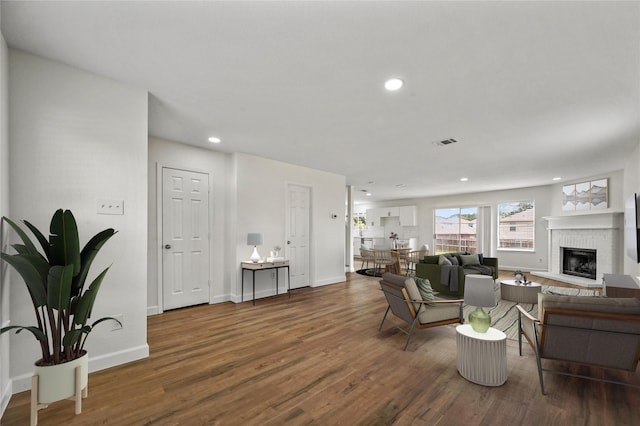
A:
[214,139]
[557,178]
[368,194]
[464,179]
[393,84]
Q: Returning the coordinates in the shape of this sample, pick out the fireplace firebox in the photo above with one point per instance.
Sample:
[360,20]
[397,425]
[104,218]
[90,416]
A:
[579,262]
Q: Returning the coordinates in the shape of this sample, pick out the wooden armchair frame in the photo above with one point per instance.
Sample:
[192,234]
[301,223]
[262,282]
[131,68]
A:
[402,307]
[540,330]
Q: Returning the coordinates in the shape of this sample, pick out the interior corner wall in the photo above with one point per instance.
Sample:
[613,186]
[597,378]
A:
[260,197]
[631,186]
[180,156]
[5,381]
[76,137]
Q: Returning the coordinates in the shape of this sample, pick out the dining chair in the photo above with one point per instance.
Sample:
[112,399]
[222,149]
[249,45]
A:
[387,260]
[412,259]
[366,255]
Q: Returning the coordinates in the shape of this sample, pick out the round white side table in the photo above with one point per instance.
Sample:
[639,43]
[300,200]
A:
[482,357]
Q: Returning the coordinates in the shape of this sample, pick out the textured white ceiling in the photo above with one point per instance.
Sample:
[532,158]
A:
[531,90]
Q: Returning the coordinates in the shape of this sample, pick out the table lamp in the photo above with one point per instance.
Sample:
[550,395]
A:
[479,292]
[254,239]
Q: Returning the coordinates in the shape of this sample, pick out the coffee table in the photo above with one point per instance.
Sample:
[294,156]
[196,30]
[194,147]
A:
[519,292]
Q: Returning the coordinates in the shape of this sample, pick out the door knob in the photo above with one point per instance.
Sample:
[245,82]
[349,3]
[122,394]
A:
[167,246]
[288,242]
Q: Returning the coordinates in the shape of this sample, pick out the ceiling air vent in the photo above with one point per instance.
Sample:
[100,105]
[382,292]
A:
[446,142]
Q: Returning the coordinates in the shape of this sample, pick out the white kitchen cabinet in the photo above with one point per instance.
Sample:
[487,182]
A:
[390,212]
[373,217]
[408,215]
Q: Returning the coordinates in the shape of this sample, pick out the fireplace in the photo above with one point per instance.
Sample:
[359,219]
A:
[594,231]
[579,262]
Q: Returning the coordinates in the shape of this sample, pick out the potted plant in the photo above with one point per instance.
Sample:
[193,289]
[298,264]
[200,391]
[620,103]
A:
[55,280]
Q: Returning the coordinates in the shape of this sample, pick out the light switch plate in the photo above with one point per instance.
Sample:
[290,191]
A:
[105,206]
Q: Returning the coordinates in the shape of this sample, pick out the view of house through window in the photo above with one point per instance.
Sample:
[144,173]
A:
[456,230]
[516,225]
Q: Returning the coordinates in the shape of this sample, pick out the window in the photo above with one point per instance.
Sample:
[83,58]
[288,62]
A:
[516,225]
[456,230]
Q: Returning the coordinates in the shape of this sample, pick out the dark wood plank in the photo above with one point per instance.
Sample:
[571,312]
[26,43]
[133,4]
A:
[317,357]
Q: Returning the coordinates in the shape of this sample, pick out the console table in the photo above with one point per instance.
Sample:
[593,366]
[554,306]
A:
[258,266]
[482,357]
[620,286]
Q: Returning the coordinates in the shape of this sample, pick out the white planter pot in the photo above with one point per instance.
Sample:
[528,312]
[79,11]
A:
[58,382]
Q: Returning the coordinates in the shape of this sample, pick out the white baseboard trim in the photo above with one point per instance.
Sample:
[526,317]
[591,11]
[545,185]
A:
[327,281]
[220,299]
[520,268]
[152,310]
[6,397]
[23,382]
[113,359]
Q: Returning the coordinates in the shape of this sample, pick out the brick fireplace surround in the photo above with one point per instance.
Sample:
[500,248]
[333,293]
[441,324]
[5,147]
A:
[601,232]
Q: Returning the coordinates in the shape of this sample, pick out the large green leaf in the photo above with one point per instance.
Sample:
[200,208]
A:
[71,337]
[82,310]
[106,319]
[21,248]
[31,248]
[59,287]
[34,330]
[89,252]
[34,270]
[65,245]
[44,243]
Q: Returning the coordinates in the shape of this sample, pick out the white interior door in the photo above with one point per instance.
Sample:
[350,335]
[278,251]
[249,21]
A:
[297,229]
[185,238]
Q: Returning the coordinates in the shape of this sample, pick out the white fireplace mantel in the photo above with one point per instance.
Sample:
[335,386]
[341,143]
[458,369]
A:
[596,231]
[608,220]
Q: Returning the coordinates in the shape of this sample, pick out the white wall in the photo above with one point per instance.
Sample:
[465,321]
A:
[260,207]
[76,137]
[248,195]
[181,156]
[631,185]
[5,382]
[548,202]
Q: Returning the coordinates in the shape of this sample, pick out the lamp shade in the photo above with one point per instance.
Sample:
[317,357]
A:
[478,291]
[254,239]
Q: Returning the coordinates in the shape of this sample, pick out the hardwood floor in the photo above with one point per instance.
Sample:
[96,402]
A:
[317,357]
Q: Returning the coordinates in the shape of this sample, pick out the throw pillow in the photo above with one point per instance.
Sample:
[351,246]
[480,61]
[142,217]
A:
[469,259]
[443,260]
[424,287]
[453,259]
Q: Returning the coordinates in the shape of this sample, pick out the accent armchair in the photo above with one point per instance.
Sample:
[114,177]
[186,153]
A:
[405,302]
[594,331]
